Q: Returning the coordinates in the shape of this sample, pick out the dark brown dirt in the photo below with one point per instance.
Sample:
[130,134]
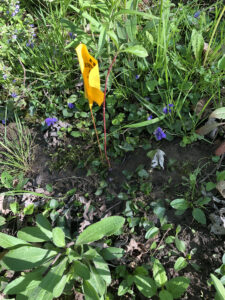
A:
[166,184]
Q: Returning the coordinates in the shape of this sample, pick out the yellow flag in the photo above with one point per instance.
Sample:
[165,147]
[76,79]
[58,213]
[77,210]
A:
[90,72]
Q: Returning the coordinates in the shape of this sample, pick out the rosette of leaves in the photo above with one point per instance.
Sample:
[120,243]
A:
[54,265]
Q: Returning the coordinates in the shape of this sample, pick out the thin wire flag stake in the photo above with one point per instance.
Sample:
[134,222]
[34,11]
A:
[90,71]
[96,132]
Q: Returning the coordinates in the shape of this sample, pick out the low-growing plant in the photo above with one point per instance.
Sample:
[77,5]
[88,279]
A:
[192,200]
[157,285]
[55,265]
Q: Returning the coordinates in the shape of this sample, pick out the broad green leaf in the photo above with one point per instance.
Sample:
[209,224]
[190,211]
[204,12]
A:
[180,264]
[58,289]
[181,246]
[101,40]
[180,204]
[44,291]
[2,221]
[102,268]
[8,241]
[113,37]
[131,28]
[136,12]
[145,123]
[44,225]
[137,50]
[26,257]
[112,253]
[219,113]
[177,286]
[152,232]
[89,291]
[170,239]
[97,231]
[197,43]
[199,215]
[159,273]
[14,207]
[81,270]
[145,285]
[221,63]
[124,287]
[219,287]
[26,282]
[97,281]
[29,209]
[58,237]
[32,234]
[92,20]
[165,295]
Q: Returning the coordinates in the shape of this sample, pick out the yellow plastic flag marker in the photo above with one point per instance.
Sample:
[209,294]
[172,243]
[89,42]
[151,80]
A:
[90,72]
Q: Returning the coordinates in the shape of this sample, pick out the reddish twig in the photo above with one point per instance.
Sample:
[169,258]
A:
[106,81]
[96,132]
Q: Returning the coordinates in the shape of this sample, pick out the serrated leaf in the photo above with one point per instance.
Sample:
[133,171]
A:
[89,291]
[180,264]
[145,285]
[219,287]
[58,237]
[197,43]
[221,63]
[177,286]
[199,215]
[180,204]
[181,246]
[219,113]
[137,50]
[152,232]
[105,227]
[8,241]
[159,273]
[165,295]
[26,257]
[32,234]
[81,270]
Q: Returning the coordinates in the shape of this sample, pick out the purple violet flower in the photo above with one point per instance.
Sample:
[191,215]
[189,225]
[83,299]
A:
[159,134]
[50,121]
[167,110]
[137,77]
[197,14]
[71,105]
[72,35]
[30,44]
[4,76]
[14,95]
[149,118]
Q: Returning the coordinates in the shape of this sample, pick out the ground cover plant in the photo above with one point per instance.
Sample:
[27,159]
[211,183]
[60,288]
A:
[112,185]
